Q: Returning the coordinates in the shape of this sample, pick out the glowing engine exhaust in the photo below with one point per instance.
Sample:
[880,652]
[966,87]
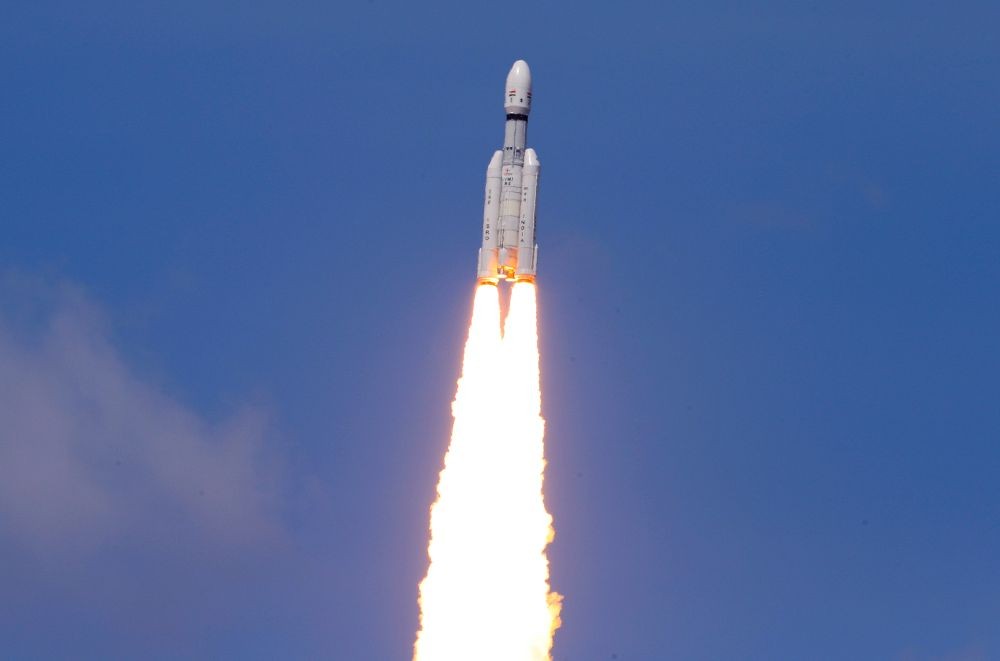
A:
[486,595]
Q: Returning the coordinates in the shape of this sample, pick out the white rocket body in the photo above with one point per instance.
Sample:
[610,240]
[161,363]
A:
[509,251]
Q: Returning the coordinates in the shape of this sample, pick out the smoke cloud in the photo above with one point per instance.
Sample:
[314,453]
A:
[119,506]
[88,450]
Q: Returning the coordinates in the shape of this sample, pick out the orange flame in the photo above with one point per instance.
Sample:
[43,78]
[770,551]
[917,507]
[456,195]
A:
[486,595]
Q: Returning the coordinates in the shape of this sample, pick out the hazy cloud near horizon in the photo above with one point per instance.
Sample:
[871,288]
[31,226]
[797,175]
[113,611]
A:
[131,525]
[91,455]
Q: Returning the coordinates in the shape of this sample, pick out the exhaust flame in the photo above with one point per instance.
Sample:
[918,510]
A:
[486,594]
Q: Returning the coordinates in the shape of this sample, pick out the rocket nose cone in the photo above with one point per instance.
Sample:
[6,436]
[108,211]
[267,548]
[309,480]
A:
[519,76]
[517,95]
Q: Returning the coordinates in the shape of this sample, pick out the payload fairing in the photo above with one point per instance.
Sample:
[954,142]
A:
[509,251]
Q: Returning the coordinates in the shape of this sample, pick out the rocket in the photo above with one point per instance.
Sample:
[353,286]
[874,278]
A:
[509,251]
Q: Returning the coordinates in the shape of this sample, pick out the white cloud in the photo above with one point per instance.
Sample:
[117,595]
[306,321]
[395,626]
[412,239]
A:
[91,454]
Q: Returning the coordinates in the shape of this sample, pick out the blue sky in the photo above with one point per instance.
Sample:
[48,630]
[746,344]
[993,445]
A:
[238,243]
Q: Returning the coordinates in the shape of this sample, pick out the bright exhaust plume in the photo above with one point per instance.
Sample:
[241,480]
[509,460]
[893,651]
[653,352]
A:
[486,595]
